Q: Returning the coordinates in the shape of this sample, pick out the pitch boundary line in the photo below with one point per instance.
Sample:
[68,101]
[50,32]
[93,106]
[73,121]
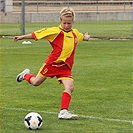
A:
[80,116]
[27,46]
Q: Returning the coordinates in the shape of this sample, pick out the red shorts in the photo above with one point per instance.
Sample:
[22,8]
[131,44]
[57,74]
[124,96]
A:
[60,70]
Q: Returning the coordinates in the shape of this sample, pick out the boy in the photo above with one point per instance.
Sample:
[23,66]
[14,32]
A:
[63,40]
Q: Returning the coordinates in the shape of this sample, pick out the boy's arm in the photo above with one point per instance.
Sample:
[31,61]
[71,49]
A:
[28,36]
[86,37]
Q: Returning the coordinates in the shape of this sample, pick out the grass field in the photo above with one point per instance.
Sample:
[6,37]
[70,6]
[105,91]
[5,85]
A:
[102,96]
[108,29]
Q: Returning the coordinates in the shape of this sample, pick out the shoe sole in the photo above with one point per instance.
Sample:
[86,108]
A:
[73,118]
[18,78]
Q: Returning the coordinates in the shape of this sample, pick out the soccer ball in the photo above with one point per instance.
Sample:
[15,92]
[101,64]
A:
[33,121]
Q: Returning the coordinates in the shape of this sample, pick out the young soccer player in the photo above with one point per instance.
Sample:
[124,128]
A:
[63,40]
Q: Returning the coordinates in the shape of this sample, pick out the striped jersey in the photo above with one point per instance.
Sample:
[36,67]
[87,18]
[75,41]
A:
[63,43]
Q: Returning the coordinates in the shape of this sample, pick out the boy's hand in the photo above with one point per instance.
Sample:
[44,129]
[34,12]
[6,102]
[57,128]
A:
[27,36]
[86,36]
[16,38]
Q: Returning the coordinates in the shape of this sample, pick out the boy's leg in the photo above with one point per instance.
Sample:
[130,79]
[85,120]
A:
[36,80]
[65,101]
[66,95]
[30,78]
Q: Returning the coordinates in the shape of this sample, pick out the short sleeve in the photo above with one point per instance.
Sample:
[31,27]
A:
[79,35]
[46,33]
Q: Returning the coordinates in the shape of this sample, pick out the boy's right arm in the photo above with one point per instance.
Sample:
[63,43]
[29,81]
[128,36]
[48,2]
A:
[28,36]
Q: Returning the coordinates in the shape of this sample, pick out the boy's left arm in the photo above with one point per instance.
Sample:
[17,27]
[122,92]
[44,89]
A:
[86,37]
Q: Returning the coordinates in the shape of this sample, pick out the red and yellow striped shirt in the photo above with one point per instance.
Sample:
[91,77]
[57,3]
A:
[63,43]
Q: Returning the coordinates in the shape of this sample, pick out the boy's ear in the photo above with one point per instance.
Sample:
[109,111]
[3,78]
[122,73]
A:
[60,19]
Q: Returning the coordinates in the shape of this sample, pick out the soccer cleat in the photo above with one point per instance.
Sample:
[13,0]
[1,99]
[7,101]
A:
[64,114]
[20,77]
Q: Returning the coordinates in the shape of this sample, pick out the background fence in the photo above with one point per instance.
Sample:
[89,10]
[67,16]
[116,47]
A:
[78,5]
[110,12]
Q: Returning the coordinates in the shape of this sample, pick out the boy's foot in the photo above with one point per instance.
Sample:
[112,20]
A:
[20,76]
[64,114]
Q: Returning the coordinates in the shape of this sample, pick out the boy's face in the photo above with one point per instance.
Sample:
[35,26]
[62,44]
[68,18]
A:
[66,23]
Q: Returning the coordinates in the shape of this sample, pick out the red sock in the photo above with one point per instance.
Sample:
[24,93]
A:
[27,77]
[65,101]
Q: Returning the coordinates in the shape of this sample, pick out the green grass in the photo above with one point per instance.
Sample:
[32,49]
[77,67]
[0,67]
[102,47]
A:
[112,29]
[102,74]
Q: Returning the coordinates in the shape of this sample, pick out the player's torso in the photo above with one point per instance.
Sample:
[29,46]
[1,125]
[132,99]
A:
[64,45]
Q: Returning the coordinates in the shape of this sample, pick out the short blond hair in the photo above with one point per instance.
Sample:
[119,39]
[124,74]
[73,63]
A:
[67,12]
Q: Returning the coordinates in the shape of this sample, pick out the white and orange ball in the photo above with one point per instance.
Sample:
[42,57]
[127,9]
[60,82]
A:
[33,121]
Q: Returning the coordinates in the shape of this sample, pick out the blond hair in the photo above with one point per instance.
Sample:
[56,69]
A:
[67,12]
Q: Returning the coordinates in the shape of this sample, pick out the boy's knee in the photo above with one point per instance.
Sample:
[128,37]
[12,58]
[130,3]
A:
[71,88]
[35,83]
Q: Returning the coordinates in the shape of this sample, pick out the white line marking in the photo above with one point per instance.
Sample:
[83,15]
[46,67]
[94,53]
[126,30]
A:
[81,116]
[33,46]
[107,119]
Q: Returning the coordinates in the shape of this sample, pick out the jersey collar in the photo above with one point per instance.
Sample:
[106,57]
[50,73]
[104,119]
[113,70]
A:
[63,29]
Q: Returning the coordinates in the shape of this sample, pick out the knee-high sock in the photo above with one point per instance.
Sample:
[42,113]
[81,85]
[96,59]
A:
[27,77]
[65,100]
